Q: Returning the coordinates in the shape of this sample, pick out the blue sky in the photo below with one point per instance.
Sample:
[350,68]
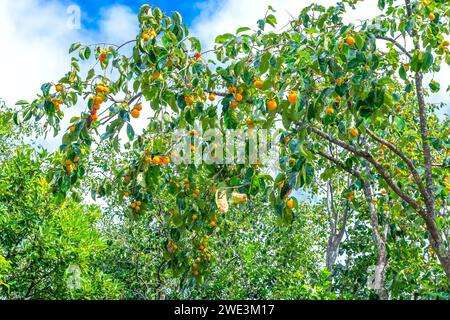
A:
[91,9]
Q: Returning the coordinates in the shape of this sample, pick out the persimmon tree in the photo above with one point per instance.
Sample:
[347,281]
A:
[358,88]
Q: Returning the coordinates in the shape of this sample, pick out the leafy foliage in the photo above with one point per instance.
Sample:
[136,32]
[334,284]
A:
[349,112]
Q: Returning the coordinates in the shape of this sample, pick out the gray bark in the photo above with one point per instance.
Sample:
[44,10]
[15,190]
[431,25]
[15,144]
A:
[435,236]
[336,231]
[380,240]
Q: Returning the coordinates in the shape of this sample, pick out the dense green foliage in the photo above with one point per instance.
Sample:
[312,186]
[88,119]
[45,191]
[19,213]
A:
[356,135]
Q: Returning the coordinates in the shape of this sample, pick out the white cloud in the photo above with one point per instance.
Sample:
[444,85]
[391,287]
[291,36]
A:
[36,38]
[118,24]
[218,17]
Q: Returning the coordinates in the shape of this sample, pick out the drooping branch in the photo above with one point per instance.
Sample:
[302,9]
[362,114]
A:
[382,171]
[398,45]
[339,163]
[408,162]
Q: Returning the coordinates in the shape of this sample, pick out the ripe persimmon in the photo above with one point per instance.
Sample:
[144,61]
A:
[135,113]
[350,41]
[329,110]
[272,105]
[354,132]
[292,97]
[290,203]
[258,84]
[157,160]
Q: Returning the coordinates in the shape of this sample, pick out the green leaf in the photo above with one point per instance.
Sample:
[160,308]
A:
[74,47]
[402,73]
[359,41]
[242,29]
[427,61]
[17,118]
[21,102]
[270,19]
[91,74]
[381,4]
[261,24]
[161,64]
[294,146]
[264,64]
[130,132]
[434,86]
[45,88]
[124,115]
[136,85]
[195,44]
[81,53]
[87,53]
[399,123]
[224,38]
[415,63]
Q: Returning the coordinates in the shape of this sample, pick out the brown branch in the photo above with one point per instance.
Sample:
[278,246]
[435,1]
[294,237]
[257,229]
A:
[435,236]
[398,45]
[423,124]
[339,163]
[366,155]
[408,162]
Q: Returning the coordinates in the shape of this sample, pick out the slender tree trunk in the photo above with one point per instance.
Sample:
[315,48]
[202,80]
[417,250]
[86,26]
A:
[436,240]
[380,240]
[380,271]
[331,254]
[332,248]
[336,231]
[445,261]
[435,235]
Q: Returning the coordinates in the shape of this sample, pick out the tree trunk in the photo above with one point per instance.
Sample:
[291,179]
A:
[445,262]
[331,254]
[434,234]
[380,240]
[380,272]
[336,231]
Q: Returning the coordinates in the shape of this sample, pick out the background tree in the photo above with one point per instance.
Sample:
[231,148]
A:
[350,97]
[43,239]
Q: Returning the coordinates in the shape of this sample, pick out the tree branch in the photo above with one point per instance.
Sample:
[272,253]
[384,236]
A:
[340,164]
[398,45]
[408,162]
[366,155]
